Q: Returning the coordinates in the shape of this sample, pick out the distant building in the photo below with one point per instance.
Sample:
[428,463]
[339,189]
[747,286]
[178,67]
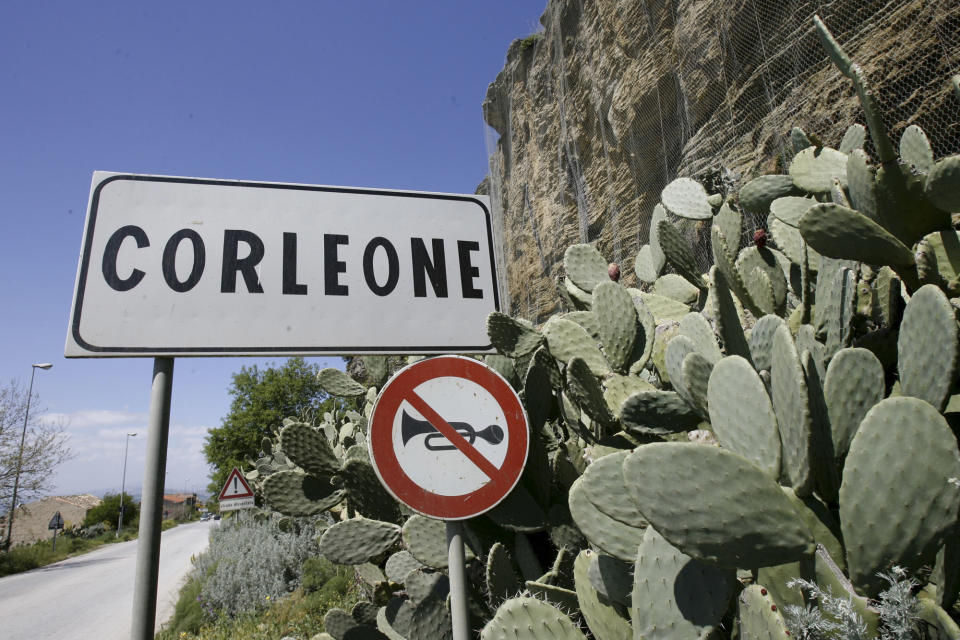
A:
[179,505]
[30,520]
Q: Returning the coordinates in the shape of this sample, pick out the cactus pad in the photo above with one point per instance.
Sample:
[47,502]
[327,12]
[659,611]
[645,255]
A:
[757,195]
[761,340]
[528,618]
[788,389]
[309,449]
[338,383]
[400,564]
[915,149]
[696,372]
[741,414]
[840,232]
[658,413]
[294,493]
[675,287]
[789,210]
[611,536]
[645,266]
[585,266]
[735,517]
[358,540]
[762,259]
[943,184]
[927,346]
[917,504]
[679,254]
[686,198]
[675,596]
[598,610]
[853,138]
[760,619]
[853,385]
[618,388]
[501,578]
[697,328]
[426,540]
[657,255]
[616,321]
[566,340]
[728,320]
[604,485]
[814,169]
[510,337]
[585,390]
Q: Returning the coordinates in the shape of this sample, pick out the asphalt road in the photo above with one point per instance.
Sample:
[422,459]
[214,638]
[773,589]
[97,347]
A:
[91,596]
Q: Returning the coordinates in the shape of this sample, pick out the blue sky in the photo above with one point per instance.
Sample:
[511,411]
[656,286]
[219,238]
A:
[363,93]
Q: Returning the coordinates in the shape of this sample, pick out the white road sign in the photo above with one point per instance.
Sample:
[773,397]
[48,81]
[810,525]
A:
[196,267]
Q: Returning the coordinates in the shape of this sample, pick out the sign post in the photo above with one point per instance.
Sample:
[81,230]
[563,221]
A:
[448,437]
[56,522]
[172,267]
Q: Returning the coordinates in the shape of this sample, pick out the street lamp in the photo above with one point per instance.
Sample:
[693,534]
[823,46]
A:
[123,482]
[23,437]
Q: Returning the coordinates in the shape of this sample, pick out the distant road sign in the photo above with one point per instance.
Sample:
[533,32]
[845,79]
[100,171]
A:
[236,493]
[448,437]
[189,267]
[56,522]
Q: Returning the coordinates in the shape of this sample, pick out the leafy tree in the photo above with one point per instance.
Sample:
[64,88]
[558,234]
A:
[109,510]
[262,398]
[44,447]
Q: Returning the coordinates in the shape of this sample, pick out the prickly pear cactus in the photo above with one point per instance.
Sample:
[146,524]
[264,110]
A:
[789,414]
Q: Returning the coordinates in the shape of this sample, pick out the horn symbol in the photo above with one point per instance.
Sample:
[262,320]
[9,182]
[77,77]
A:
[411,427]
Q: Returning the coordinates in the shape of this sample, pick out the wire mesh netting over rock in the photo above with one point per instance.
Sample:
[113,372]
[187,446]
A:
[593,116]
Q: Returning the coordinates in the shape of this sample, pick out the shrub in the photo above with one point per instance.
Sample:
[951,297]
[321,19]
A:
[109,510]
[316,572]
[188,614]
[250,563]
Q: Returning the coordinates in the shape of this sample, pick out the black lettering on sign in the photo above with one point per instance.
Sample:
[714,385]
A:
[170,260]
[290,285]
[393,266]
[112,250]
[424,267]
[467,271]
[246,266]
[332,266]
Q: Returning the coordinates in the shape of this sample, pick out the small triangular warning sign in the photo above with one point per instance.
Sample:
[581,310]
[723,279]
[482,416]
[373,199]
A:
[236,487]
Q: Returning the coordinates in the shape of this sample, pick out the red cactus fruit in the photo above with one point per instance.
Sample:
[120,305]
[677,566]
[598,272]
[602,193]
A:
[613,270]
[763,591]
[760,238]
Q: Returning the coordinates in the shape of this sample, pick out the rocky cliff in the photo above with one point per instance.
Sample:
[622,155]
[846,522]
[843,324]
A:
[615,98]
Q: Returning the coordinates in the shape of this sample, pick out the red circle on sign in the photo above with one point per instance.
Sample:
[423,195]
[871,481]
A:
[380,438]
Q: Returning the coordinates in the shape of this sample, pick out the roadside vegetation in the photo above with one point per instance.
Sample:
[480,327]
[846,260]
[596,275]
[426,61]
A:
[98,528]
[260,578]
[25,557]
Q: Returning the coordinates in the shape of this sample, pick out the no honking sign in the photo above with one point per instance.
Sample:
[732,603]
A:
[448,437]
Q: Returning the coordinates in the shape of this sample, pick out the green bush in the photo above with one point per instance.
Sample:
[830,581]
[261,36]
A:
[109,510]
[188,614]
[316,572]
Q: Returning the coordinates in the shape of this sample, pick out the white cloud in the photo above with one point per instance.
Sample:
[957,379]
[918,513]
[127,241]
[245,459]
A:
[94,418]
[97,439]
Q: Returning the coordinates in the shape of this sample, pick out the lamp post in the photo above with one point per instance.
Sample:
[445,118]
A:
[23,438]
[123,482]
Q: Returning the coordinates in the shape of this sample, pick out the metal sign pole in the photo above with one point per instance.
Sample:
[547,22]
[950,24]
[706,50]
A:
[459,613]
[151,503]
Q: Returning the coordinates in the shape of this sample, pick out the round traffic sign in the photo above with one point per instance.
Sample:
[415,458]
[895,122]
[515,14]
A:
[448,437]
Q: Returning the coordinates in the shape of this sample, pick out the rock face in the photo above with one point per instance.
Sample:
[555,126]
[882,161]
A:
[615,98]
